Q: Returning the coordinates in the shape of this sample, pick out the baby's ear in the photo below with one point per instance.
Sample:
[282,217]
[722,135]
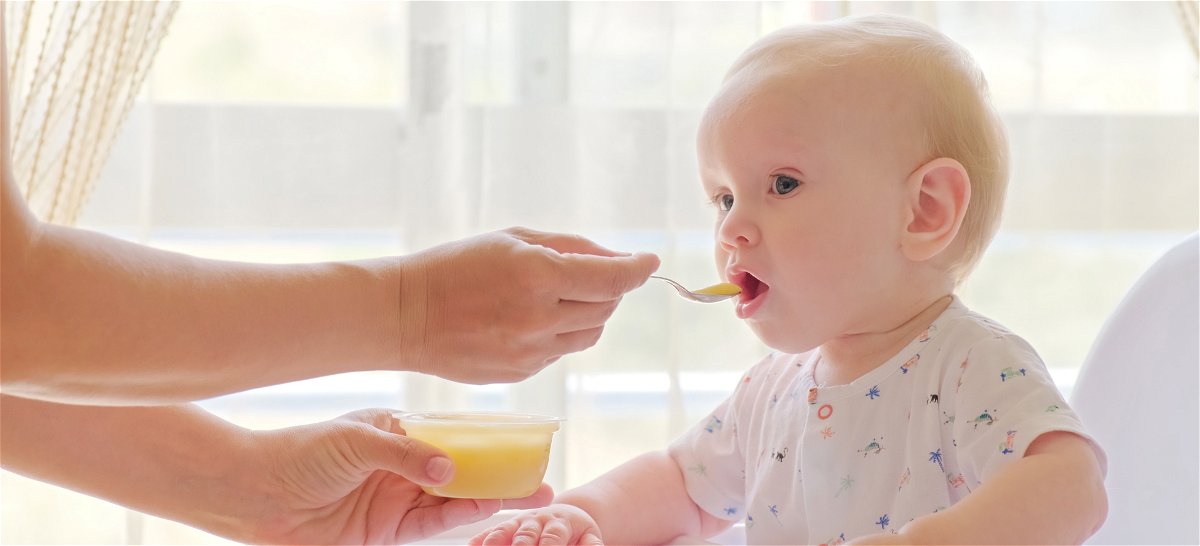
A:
[938,193]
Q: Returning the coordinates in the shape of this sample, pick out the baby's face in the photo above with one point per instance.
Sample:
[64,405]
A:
[807,168]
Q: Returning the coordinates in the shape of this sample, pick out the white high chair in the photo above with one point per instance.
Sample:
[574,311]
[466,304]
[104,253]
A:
[1137,395]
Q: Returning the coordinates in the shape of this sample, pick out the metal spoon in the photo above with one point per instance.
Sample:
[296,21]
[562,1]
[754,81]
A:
[711,294]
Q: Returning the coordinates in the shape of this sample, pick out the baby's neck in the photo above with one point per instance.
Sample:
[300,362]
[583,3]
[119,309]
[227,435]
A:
[849,357]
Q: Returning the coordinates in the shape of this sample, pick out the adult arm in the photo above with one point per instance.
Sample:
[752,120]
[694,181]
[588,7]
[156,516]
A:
[86,318]
[350,480]
[1053,495]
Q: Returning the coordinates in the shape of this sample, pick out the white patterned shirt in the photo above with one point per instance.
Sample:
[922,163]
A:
[822,465]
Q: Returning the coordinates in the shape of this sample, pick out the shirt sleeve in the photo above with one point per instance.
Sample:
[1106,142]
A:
[1005,400]
[711,458]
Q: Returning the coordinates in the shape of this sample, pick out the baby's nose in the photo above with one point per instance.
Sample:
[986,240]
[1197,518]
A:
[737,230]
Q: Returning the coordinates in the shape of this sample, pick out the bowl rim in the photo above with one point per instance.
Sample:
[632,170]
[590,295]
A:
[484,419]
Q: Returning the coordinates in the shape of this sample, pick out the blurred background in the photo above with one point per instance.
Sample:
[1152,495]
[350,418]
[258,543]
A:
[310,131]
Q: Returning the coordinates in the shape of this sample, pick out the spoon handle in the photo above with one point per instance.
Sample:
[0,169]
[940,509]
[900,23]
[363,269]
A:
[694,296]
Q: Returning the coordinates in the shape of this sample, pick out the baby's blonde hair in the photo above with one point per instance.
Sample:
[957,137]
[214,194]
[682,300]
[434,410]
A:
[961,122]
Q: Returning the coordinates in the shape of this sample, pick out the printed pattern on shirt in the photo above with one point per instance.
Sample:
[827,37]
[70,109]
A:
[808,464]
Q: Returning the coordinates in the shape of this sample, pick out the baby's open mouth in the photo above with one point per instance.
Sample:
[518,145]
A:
[751,286]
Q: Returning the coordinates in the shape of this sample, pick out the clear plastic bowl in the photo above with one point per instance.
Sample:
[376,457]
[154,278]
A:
[496,455]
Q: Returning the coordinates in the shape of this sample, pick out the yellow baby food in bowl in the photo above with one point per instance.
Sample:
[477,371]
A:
[496,455]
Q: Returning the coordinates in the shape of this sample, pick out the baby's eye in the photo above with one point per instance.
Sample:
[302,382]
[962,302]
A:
[784,184]
[724,202]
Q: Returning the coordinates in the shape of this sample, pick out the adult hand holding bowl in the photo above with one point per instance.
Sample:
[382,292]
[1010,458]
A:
[496,455]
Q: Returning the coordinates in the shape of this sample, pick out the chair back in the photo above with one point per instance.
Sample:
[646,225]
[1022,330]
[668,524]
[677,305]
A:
[1137,395]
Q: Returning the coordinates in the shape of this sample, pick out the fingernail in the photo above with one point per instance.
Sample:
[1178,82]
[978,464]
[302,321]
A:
[438,468]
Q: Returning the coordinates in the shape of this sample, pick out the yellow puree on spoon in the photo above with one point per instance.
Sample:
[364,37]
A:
[722,289]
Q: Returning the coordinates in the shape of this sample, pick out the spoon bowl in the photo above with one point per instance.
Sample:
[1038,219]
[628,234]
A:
[710,294]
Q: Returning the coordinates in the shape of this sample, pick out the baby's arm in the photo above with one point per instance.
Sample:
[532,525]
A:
[1053,495]
[640,502]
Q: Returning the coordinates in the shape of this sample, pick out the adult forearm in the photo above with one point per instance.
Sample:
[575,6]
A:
[662,509]
[175,462]
[92,319]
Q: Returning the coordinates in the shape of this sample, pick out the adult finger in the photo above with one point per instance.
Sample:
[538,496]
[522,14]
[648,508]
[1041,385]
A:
[582,315]
[542,497]
[563,243]
[379,418]
[571,342]
[454,513]
[604,278]
[421,463]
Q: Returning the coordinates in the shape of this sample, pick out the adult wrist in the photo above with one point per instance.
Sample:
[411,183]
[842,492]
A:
[412,305]
[256,487]
[229,493]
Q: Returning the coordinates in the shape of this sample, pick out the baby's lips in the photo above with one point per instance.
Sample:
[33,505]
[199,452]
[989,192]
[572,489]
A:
[738,277]
[751,286]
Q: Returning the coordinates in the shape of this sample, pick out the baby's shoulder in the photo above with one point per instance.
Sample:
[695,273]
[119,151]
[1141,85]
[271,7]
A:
[971,333]
[978,355]
[971,345]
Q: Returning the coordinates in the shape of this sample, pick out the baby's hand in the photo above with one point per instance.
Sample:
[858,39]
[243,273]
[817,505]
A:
[555,524]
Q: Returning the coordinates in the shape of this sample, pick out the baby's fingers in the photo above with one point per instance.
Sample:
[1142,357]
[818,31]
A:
[500,534]
[548,527]
[558,532]
[555,533]
[528,534]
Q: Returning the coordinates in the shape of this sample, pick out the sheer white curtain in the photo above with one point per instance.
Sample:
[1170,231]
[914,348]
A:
[311,131]
[74,71]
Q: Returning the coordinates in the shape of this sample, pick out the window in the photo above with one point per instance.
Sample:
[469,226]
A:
[310,131]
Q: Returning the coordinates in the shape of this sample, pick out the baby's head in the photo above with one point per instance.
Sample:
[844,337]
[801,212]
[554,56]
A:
[858,167]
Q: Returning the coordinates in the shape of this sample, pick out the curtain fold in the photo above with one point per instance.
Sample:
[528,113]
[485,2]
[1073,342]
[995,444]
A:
[75,69]
[1189,17]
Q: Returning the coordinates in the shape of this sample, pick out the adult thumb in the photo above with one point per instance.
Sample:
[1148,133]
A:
[601,278]
[412,459]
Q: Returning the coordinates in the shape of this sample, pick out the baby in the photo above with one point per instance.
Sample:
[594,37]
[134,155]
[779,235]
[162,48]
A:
[858,171]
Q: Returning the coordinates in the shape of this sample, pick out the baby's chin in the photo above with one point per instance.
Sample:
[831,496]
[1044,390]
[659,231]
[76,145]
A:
[782,339]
